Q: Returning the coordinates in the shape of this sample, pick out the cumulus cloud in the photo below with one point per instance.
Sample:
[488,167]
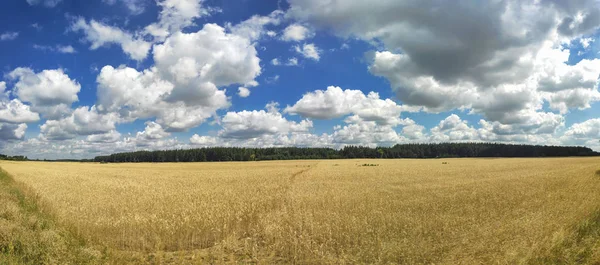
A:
[453,128]
[108,137]
[15,111]
[153,131]
[99,34]
[583,133]
[12,131]
[9,35]
[513,59]
[182,89]
[176,15]
[335,103]
[82,121]
[296,32]
[252,124]
[50,92]
[197,63]
[309,51]
[243,92]
[254,27]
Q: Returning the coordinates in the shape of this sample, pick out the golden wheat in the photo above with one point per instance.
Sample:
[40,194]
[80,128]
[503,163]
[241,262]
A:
[316,212]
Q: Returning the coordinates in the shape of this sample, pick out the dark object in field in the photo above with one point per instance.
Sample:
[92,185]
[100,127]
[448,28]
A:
[369,165]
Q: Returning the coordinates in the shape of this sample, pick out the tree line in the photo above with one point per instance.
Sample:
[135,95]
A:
[13,158]
[432,150]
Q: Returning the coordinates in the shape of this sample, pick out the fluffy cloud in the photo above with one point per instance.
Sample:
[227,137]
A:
[82,121]
[9,36]
[50,92]
[254,27]
[448,45]
[181,91]
[15,111]
[153,131]
[12,131]
[292,61]
[505,65]
[335,103]
[99,34]
[296,32]
[199,62]
[453,128]
[309,51]
[108,137]
[176,15]
[243,92]
[252,124]
[131,93]
[204,140]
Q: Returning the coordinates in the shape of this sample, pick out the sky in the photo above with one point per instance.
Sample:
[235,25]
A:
[85,78]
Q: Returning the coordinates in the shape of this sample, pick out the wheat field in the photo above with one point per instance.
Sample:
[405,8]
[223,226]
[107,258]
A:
[442,211]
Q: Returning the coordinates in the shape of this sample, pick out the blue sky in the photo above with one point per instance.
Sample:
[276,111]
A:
[84,78]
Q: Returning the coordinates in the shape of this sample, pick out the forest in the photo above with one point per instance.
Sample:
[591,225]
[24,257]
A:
[433,150]
[13,158]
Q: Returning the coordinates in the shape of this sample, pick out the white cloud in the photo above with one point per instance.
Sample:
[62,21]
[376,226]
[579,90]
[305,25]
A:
[141,95]
[82,121]
[366,134]
[12,131]
[99,35]
[272,79]
[585,42]
[309,51]
[296,32]
[9,36]
[153,131]
[37,26]
[176,15]
[453,128]
[292,61]
[133,94]
[335,103]
[504,66]
[15,111]
[108,137]
[46,3]
[58,48]
[243,92]
[252,124]
[198,63]
[583,133]
[254,27]
[66,49]
[205,141]
[135,7]
[50,92]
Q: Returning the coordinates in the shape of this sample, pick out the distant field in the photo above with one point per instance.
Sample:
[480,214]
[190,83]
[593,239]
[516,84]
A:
[443,211]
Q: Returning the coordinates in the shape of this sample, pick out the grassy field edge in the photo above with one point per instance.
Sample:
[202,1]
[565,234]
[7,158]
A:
[580,245]
[30,235]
